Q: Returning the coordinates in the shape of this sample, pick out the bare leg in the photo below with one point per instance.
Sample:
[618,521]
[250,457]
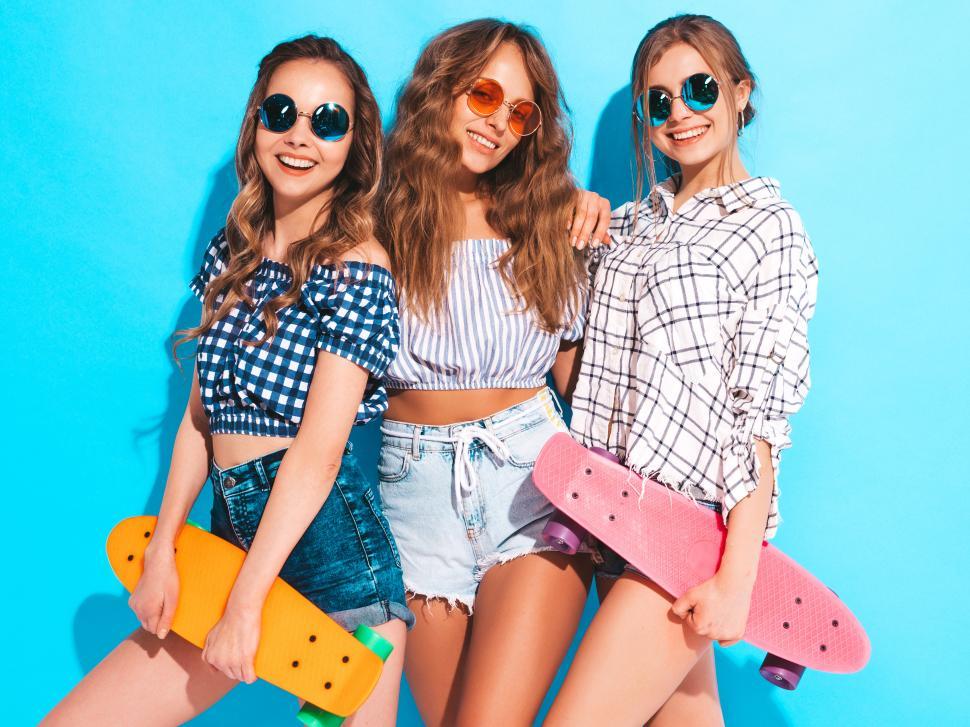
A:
[144,681]
[381,707]
[696,701]
[433,657]
[526,614]
[632,658]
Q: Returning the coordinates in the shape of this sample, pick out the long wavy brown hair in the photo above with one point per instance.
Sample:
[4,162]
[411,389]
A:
[530,193]
[344,221]
[719,49]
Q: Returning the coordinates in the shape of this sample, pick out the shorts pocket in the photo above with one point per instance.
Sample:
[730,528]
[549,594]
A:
[524,446]
[245,510]
[394,464]
[375,510]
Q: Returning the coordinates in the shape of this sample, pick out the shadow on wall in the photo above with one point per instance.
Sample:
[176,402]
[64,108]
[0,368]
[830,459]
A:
[612,172]
[103,620]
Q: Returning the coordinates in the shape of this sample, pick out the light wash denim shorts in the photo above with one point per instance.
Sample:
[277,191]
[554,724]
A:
[460,498]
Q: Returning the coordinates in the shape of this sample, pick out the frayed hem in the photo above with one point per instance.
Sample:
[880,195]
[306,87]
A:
[451,602]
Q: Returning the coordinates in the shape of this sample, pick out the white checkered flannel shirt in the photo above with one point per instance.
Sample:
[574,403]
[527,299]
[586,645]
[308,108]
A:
[696,342]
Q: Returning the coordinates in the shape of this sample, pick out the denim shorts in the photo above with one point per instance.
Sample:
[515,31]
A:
[460,498]
[607,563]
[346,563]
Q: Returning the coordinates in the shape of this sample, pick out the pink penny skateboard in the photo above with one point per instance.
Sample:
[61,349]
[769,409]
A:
[678,544]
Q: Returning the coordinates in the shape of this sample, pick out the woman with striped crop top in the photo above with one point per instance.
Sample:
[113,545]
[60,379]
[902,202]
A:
[475,205]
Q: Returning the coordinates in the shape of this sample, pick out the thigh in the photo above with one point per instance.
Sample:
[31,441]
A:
[144,681]
[433,658]
[526,614]
[695,702]
[633,656]
[380,709]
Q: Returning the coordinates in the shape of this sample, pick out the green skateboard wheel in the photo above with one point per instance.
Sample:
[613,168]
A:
[374,641]
[312,716]
[194,524]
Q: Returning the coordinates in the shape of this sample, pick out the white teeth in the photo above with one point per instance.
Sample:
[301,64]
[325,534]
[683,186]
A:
[298,163]
[689,134]
[482,140]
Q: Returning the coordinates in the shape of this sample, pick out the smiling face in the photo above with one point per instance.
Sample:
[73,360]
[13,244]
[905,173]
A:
[486,141]
[299,166]
[694,138]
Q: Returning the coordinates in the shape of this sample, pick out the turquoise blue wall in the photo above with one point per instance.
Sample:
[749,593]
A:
[117,123]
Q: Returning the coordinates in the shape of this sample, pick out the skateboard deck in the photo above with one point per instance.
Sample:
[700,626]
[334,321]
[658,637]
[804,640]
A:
[679,544]
[301,649]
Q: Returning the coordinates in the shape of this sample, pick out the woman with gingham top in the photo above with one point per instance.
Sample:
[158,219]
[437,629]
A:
[695,355]
[474,207]
[299,325]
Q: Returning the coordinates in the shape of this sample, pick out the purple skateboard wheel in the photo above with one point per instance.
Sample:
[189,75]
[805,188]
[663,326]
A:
[563,534]
[605,454]
[781,672]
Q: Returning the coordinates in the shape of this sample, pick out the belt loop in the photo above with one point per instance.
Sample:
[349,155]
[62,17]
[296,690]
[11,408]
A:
[416,442]
[261,472]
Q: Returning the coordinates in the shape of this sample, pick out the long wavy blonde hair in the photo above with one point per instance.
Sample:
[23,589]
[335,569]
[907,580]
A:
[719,49]
[530,193]
[344,221]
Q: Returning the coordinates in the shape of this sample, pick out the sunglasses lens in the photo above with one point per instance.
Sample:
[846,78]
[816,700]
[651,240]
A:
[525,118]
[278,113]
[659,106]
[485,97]
[700,92]
[330,122]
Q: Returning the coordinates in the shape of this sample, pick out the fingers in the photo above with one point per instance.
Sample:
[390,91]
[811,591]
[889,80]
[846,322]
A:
[584,232]
[601,233]
[168,614]
[579,219]
[728,642]
[683,606]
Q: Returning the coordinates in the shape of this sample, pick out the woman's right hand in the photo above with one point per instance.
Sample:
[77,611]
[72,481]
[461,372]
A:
[156,594]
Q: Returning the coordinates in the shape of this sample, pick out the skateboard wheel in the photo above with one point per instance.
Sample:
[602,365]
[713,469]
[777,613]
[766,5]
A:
[781,672]
[194,524]
[563,534]
[312,716]
[374,641]
[604,453]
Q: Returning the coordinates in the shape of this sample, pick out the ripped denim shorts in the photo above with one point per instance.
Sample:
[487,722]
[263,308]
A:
[460,498]
[345,563]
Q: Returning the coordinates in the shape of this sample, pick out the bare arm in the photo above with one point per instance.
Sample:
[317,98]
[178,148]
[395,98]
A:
[718,607]
[565,369]
[303,482]
[156,595]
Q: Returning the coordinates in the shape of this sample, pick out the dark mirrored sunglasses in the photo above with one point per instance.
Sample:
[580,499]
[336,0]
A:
[329,121]
[699,93]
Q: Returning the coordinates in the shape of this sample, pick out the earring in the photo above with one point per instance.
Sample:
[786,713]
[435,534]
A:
[740,123]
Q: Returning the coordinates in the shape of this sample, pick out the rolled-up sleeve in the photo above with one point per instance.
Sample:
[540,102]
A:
[770,377]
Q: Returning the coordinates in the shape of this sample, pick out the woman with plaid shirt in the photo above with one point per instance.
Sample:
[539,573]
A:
[299,324]
[696,354]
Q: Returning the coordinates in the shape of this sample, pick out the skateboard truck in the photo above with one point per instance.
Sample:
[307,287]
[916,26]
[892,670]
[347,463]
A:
[564,534]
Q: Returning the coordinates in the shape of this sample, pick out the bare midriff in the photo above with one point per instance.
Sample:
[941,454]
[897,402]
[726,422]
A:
[228,450]
[438,408]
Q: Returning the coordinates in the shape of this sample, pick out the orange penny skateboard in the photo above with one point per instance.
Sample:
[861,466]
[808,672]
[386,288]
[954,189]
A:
[301,649]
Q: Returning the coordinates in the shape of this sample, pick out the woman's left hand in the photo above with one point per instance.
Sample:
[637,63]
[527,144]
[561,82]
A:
[231,645]
[591,221]
[715,609]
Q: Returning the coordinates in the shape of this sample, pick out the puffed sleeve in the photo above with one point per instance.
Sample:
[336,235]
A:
[356,312]
[576,311]
[214,263]
[770,377]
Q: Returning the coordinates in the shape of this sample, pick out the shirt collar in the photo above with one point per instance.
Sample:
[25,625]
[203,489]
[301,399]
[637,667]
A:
[733,197]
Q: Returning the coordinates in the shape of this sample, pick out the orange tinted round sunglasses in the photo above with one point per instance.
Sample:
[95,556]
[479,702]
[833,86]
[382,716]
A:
[485,97]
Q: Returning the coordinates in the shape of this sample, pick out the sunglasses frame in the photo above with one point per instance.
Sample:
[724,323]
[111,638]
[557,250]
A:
[685,96]
[511,106]
[326,105]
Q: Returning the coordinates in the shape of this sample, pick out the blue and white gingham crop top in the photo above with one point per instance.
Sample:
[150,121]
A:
[261,390]
[482,339]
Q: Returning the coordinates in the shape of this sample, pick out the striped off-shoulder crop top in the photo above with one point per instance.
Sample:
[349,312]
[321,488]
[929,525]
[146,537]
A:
[482,339]
[348,310]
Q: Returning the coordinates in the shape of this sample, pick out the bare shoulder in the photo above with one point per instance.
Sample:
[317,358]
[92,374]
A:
[369,251]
